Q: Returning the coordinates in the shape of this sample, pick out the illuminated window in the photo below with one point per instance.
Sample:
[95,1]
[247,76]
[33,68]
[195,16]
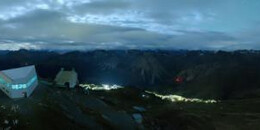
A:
[8,85]
[23,86]
[15,86]
[31,81]
[2,81]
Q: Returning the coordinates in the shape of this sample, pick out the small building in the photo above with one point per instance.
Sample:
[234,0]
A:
[18,82]
[66,78]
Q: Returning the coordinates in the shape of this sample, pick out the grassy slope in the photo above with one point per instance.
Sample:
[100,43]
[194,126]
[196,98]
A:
[43,111]
[226,115]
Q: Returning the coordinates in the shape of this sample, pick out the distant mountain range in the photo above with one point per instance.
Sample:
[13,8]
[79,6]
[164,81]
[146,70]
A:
[204,74]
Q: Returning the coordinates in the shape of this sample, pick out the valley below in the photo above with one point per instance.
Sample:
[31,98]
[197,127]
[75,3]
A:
[123,108]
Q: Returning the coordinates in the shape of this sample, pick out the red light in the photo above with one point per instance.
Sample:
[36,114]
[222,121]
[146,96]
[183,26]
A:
[179,79]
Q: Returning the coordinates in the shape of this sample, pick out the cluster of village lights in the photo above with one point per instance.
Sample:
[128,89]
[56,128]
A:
[100,87]
[172,98]
[177,98]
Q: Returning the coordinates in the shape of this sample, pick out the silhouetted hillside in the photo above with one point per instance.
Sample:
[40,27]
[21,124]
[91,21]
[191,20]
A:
[205,74]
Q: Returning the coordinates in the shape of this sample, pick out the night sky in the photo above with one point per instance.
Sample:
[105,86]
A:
[129,24]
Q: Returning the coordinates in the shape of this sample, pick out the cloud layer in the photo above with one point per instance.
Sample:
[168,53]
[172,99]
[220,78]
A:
[129,24]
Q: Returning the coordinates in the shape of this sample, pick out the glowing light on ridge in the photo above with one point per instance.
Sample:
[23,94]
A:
[177,98]
[100,87]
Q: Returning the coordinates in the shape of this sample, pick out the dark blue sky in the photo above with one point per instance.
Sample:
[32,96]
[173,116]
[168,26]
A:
[129,24]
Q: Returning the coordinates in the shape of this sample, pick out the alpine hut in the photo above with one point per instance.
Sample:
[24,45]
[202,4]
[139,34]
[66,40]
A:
[18,82]
[67,79]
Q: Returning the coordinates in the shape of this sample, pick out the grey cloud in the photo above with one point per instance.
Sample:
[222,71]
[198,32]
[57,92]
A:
[200,40]
[141,39]
[102,7]
[115,24]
